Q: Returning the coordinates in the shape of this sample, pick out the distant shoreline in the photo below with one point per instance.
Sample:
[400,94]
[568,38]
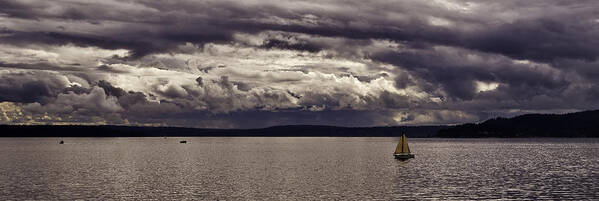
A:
[583,124]
[276,131]
[572,125]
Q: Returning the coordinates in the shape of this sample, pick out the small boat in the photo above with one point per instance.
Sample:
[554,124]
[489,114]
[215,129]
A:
[61,142]
[182,141]
[402,151]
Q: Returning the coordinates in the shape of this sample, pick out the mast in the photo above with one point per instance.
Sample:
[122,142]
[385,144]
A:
[401,141]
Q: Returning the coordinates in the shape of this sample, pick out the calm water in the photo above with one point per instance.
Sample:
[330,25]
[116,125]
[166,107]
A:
[296,169]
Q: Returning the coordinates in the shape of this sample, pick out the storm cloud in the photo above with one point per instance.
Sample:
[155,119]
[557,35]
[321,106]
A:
[263,63]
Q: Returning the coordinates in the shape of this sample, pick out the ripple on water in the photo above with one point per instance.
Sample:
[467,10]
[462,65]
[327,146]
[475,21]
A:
[297,169]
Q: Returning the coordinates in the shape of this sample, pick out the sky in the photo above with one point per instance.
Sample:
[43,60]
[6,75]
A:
[250,64]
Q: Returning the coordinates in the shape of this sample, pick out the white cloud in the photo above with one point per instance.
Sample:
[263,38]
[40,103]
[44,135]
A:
[486,86]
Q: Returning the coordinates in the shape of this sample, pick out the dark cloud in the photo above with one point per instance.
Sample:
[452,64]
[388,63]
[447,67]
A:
[111,90]
[41,66]
[56,38]
[200,81]
[543,39]
[28,87]
[281,44]
[252,64]
[456,72]
[539,37]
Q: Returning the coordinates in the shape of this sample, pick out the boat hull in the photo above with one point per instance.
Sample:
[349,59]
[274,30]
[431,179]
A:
[403,156]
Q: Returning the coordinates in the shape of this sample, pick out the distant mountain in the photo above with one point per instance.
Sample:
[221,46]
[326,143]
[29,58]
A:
[277,131]
[579,124]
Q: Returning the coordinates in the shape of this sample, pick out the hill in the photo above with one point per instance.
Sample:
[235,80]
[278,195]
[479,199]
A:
[277,131]
[579,124]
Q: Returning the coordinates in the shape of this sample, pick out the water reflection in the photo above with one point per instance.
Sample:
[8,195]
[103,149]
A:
[296,168]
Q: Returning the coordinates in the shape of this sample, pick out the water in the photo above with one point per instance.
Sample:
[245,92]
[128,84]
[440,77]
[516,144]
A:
[296,169]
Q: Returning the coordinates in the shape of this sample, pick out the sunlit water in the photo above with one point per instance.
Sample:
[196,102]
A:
[296,169]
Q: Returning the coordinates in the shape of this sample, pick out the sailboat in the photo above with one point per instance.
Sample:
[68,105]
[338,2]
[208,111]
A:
[402,151]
